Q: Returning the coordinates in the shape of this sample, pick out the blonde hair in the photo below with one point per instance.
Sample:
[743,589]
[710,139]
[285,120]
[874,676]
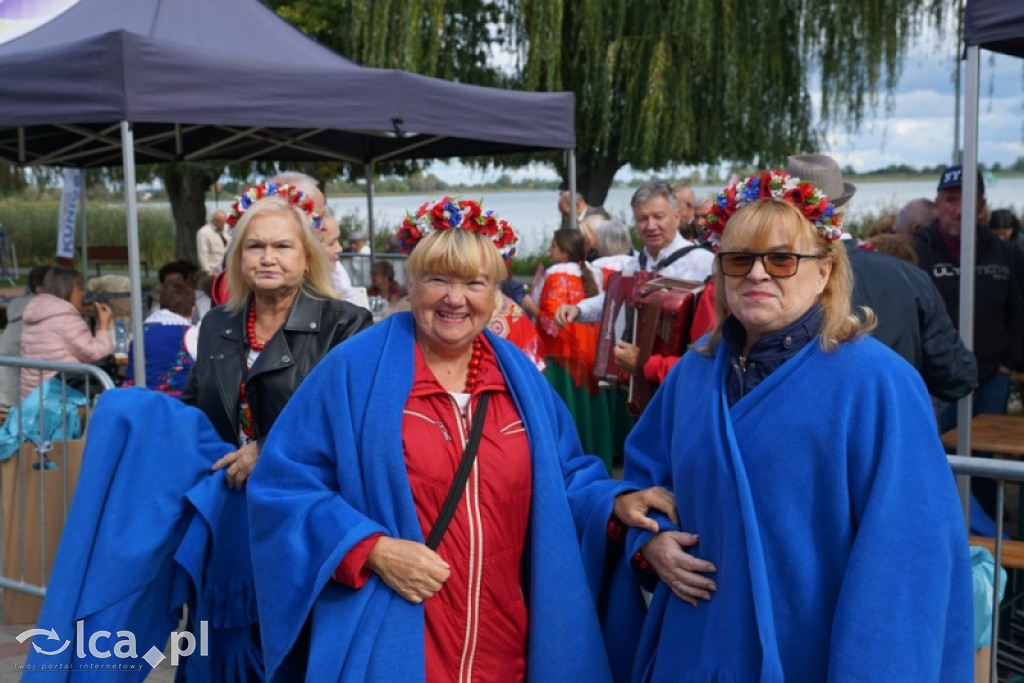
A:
[750,227]
[316,281]
[457,252]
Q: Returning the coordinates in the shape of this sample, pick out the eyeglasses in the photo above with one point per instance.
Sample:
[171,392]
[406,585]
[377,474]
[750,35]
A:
[775,263]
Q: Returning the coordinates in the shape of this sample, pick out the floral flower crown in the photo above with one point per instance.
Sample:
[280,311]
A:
[778,185]
[294,195]
[447,213]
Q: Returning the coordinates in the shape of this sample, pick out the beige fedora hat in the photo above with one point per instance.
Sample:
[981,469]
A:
[823,171]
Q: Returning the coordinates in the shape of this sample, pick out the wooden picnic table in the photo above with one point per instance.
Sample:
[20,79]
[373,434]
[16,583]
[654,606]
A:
[998,434]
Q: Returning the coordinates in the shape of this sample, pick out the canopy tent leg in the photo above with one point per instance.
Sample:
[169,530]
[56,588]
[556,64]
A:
[85,228]
[968,230]
[369,213]
[134,274]
[571,153]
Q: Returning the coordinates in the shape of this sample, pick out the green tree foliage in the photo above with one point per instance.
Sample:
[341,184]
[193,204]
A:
[12,180]
[447,39]
[657,82]
[698,81]
[186,190]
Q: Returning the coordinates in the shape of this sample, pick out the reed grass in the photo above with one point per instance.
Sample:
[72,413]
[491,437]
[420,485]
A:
[33,230]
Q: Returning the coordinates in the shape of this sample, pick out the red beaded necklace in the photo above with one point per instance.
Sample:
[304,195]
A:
[474,364]
[250,331]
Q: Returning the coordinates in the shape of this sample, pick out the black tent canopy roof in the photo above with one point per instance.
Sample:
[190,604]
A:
[231,80]
[996,25]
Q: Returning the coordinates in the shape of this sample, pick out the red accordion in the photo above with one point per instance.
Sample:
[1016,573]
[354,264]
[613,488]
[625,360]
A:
[663,310]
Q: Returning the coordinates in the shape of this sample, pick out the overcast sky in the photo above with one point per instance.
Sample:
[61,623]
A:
[919,128]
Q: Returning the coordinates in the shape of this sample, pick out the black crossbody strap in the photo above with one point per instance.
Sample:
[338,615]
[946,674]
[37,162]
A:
[461,475]
[671,258]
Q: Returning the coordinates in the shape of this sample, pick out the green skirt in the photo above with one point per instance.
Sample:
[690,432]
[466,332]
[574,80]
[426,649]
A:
[592,414]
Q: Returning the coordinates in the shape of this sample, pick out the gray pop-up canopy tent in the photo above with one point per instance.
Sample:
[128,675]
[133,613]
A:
[996,25]
[110,82]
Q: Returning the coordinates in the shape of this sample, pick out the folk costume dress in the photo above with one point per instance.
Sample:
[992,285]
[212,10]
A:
[569,353]
[825,501]
[616,394]
[511,322]
[368,445]
[167,359]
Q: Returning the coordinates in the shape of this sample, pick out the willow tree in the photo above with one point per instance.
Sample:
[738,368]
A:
[704,81]
[656,82]
[448,39]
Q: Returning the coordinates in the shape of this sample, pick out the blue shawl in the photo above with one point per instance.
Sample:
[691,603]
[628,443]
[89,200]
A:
[826,503]
[332,472]
[150,528]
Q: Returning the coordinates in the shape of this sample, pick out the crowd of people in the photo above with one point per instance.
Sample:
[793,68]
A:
[449,492]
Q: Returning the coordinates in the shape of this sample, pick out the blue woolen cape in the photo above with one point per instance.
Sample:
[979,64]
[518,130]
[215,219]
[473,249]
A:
[150,528]
[826,503]
[332,472]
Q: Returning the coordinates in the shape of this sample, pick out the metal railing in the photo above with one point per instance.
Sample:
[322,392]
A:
[1001,471]
[36,454]
[358,266]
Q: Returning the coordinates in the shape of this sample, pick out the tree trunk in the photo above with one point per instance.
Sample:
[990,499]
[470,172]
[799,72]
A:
[594,178]
[186,190]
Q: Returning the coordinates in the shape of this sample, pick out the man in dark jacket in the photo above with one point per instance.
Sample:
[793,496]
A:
[998,303]
[912,319]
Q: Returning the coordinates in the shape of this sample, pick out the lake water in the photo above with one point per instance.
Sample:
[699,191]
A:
[534,215]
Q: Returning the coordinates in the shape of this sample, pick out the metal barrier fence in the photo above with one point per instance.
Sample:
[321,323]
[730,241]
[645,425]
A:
[358,266]
[30,500]
[1001,471]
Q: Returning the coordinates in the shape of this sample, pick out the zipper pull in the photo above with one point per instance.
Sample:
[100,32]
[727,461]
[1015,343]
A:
[447,436]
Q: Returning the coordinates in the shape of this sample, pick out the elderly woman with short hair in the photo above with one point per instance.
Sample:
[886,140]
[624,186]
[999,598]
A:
[396,567]
[804,455]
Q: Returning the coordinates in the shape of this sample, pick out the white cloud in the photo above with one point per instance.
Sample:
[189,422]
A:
[918,130]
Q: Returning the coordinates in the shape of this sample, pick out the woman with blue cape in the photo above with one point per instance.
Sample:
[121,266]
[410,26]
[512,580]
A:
[375,560]
[809,466]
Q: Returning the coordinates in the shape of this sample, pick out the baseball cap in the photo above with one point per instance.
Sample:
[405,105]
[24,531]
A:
[952,178]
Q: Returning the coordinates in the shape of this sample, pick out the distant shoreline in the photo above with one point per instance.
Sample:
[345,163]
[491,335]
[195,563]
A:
[867,178]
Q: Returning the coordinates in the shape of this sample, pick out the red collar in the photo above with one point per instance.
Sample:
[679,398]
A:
[490,376]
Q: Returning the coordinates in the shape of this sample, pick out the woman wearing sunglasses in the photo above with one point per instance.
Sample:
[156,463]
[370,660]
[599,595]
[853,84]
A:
[804,456]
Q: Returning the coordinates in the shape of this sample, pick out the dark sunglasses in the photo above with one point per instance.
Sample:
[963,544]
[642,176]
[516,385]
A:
[775,263]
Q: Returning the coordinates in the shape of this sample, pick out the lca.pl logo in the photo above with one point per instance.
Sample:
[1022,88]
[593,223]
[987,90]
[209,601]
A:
[97,645]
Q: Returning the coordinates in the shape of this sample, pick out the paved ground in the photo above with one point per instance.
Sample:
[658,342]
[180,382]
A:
[13,654]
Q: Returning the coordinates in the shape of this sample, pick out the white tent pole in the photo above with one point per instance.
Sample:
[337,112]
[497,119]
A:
[85,229]
[132,215]
[369,213]
[957,80]
[968,231]
[572,189]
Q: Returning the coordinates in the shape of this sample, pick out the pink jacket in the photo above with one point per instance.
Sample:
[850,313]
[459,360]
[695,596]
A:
[53,329]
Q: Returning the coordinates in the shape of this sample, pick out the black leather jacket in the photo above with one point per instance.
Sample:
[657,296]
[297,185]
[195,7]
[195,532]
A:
[913,322]
[313,327]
